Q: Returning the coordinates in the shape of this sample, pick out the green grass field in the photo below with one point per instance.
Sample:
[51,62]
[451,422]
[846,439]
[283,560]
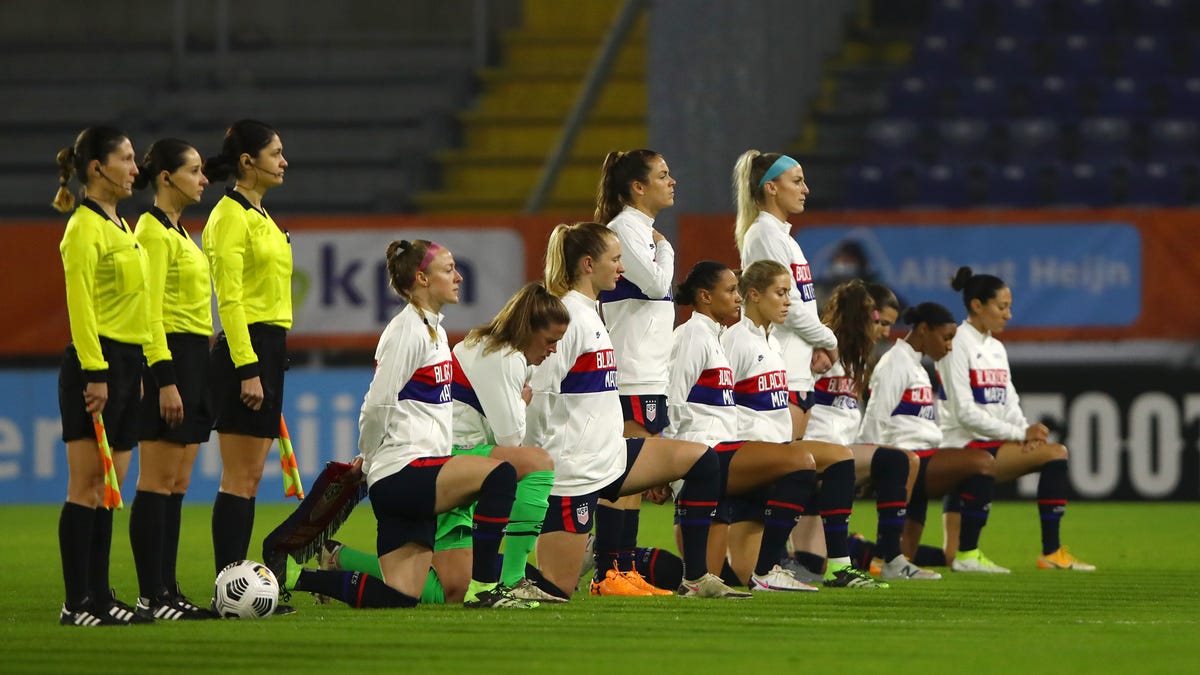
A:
[1140,612]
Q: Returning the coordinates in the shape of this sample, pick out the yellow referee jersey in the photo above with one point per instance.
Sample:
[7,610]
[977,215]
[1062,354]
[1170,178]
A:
[106,286]
[179,286]
[251,262]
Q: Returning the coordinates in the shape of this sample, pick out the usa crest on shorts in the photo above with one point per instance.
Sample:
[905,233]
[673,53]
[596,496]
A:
[651,411]
[582,514]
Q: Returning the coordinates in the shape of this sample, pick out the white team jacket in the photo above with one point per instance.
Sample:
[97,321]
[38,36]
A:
[576,413]
[769,239]
[701,395]
[834,417]
[760,387]
[488,407]
[981,402]
[406,413]
[900,410]
[639,313]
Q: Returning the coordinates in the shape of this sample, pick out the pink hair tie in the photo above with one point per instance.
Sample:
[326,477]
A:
[874,315]
[429,253]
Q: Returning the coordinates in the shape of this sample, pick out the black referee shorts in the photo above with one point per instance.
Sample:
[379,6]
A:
[230,415]
[189,355]
[125,364]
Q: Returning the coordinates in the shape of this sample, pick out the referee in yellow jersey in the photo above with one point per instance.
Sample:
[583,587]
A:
[251,262]
[102,368]
[175,411]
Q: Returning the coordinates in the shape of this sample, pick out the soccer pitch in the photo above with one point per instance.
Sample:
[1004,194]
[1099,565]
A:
[1138,613]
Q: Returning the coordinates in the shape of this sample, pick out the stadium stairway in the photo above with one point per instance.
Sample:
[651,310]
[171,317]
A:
[832,137]
[525,101]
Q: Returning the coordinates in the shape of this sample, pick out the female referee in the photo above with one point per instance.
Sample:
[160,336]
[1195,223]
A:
[982,410]
[576,416]
[175,417]
[101,370]
[634,187]
[251,262]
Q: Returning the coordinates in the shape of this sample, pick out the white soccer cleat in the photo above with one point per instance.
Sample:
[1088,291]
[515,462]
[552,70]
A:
[709,586]
[900,568]
[779,579]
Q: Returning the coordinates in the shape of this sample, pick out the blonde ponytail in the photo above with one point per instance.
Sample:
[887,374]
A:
[747,207]
[568,245]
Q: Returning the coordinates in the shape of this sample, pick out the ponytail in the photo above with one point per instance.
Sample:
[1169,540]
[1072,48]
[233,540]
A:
[981,287]
[748,191]
[704,275]
[404,259]
[849,313]
[165,154]
[929,313]
[568,245]
[532,309]
[93,143]
[617,173]
[244,137]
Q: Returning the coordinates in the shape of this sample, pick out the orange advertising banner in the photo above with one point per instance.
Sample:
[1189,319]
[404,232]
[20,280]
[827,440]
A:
[1166,264]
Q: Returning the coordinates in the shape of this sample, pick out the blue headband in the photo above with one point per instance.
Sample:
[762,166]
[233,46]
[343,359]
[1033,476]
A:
[782,164]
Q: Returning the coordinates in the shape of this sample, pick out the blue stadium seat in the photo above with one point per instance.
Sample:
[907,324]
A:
[1021,17]
[953,17]
[1077,55]
[912,97]
[1183,96]
[869,186]
[1103,138]
[982,96]
[1121,96]
[963,138]
[1145,56]
[1082,184]
[1033,138]
[942,186]
[1158,16]
[1089,16]
[938,55]
[1052,96]
[1010,56]
[892,138]
[1156,183]
[1172,138]
[1014,185]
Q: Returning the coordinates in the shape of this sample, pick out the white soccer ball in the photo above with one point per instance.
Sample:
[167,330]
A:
[245,590]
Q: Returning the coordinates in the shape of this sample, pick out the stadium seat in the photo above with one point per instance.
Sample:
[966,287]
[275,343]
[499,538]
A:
[963,138]
[937,55]
[1173,138]
[1077,55]
[1183,96]
[1082,184]
[1103,138]
[894,138]
[1020,17]
[1014,185]
[1155,183]
[1052,96]
[1158,16]
[912,97]
[869,186]
[1033,138]
[941,186]
[1145,56]
[953,17]
[981,96]
[1009,55]
[1122,96]
[1089,16]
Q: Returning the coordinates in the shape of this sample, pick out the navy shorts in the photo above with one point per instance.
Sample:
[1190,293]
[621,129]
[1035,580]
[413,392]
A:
[405,505]
[230,415]
[189,356]
[125,364]
[648,411]
[574,513]
[803,399]
[991,447]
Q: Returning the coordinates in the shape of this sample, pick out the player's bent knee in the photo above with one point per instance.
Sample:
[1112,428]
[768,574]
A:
[982,463]
[1057,451]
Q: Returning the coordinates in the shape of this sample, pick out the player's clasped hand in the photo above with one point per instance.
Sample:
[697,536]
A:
[252,393]
[95,396]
